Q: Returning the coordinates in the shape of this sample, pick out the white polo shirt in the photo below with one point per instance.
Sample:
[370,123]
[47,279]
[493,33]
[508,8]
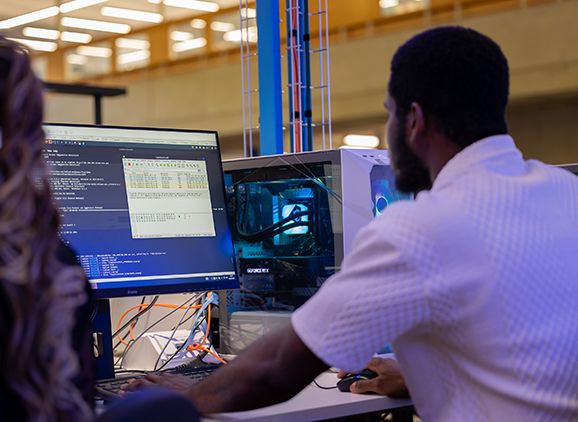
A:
[475,283]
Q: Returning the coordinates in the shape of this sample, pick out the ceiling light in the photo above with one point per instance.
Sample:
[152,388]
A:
[29,17]
[237,35]
[36,45]
[155,1]
[199,23]
[89,50]
[132,43]
[387,4]
[133,57]
[70,6]
[361,141]
[203,6]
[222,26]
[117,28]
[189,45]
[137,15]
[77,37]
[181,36]
[48,34]
[77,59]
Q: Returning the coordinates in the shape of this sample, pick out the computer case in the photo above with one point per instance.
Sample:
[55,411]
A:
[293,218]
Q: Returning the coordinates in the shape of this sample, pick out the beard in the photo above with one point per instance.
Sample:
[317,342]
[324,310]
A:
[411,176]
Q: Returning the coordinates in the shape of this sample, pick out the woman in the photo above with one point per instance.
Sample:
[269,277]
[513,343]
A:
[45,340]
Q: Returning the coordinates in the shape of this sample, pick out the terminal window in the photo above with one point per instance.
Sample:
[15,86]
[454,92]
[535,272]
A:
[168,198]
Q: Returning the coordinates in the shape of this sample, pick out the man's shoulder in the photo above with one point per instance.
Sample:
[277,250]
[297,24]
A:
[423,224]
[429,209]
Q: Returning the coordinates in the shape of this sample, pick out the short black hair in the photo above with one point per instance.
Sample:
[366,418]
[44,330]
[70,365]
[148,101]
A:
[460,78]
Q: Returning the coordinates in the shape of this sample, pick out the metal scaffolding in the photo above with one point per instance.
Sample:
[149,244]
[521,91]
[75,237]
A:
[304,92]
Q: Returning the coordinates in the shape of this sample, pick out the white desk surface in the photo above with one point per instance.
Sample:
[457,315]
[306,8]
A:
[314,403]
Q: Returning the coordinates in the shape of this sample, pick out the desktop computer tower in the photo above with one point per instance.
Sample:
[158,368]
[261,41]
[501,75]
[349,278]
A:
[293,218]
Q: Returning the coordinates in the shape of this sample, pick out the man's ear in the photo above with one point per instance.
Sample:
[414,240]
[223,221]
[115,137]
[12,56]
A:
[416,127]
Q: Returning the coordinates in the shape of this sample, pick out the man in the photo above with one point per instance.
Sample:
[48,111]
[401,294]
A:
[475,283]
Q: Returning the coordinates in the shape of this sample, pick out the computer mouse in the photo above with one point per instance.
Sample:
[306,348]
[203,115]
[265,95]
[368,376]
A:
[344,383]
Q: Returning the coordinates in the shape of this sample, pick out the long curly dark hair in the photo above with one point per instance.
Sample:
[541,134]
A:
[40,295]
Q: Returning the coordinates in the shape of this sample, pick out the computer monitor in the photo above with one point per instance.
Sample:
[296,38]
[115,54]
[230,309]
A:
[144,209]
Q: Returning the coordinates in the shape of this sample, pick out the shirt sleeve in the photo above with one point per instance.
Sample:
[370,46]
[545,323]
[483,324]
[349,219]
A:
[378,296]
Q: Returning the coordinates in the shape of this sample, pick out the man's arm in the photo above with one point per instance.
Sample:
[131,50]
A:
[270,371]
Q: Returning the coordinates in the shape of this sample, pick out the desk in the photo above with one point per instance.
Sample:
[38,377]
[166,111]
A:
[314,403]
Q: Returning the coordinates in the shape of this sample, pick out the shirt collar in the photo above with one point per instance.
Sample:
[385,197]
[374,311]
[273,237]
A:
[497,153]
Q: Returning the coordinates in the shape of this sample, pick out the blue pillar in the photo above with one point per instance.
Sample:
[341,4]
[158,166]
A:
[269,60]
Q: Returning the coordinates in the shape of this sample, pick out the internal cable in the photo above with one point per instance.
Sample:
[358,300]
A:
[275,229]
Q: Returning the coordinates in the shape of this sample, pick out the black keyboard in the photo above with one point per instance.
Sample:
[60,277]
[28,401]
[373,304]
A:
[110,388]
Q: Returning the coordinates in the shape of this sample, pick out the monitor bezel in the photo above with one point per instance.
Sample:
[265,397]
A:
[103,293]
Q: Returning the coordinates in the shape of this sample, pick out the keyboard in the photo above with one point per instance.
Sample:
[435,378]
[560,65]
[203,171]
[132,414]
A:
[110,388]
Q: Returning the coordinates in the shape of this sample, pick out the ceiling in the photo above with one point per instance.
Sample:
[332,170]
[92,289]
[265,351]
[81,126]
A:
[12,8]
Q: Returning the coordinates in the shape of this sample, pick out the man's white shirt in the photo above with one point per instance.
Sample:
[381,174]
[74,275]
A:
[475,283]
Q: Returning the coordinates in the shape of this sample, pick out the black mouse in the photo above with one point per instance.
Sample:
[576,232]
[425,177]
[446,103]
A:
[344,383]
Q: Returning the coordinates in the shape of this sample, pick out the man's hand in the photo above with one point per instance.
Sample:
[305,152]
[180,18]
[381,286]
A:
[389,381]
[176,383]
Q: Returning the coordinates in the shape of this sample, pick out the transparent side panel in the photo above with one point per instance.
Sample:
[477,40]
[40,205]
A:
[286,226]
[282,225]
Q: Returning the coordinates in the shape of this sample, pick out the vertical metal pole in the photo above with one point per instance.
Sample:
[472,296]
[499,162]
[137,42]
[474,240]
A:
[291,73]
[97,109]
[298,112]
[321,72]
[244,96]
[269,61]
[305,62]
[328,63]
[248,55]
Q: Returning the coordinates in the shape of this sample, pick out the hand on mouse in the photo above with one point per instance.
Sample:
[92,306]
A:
[389,380]
[175,383]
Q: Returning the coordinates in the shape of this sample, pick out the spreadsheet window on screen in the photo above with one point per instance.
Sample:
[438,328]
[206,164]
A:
[144,209]
[168,198]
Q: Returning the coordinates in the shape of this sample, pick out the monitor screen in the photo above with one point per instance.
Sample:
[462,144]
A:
[144,209]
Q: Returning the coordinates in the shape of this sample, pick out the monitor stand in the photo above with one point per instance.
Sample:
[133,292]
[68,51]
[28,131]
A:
[103,340]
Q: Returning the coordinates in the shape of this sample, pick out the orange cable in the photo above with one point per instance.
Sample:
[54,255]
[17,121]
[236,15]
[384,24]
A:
[142,305]
[213,354]
[192,347]
[199,346]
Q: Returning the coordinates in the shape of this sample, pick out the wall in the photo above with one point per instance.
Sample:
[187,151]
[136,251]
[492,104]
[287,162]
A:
[546,129]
